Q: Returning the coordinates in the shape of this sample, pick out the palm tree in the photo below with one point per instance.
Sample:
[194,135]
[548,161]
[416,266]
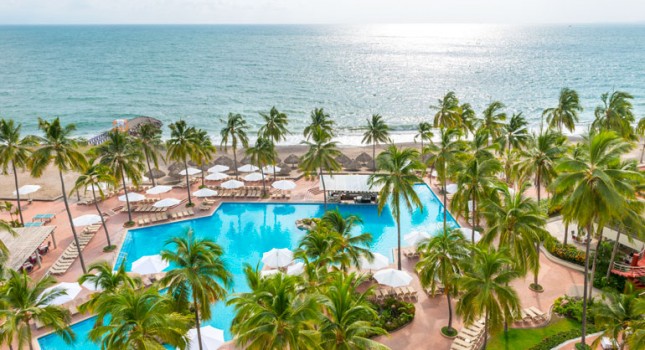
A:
[640,131]
[487,293]
[123,157]
[25,301]
[448,113]
[616,114]
[319,120]
[469,119]
[234,131]
[349,317]
[139,319]
[566,113]
[263,153]
[424,133]
[540,157]
[319,246]
[636,340]
[149,138]
[617,314]
[15,152]
[203,150]
[57,147]
[516,134]
[440,261]
[397,177]
[198,271]
[349,247]
[320,157]
[593,189]
[273,315]
[377,131]
[493,121]
[108,282]
[181,146]
[95,177]
[274,129]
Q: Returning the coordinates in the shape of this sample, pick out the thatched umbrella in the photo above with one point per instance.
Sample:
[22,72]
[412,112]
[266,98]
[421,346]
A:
[354,165]
[343,159]
[245,160]
[284,170]
[293,160]
[224,160]
[364,158]
[155,174]
[176,167]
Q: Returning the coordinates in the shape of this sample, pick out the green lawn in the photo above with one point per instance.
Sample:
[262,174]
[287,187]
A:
[517,339]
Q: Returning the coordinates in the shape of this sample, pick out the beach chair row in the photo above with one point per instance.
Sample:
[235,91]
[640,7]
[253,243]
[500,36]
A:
[99,199]
[531,315]
[469,338]
[283,195]
[243,193]
[410,252]
[70,253]
[206,204]
[152,218]
[439,290]
[148,209]
[401,293]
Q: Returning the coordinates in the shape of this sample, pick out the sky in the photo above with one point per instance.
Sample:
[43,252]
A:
[319,11]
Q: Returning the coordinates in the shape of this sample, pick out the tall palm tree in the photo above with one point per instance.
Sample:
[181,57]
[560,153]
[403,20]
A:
[319,247]
[617,314]
[108,282]
[139,319]
[181,146]
[95,177]
[493,119]
[397,177]
[320,157]
[203,150]
[448,113]
[319,120]
[14,152]
[487,293]
[274,129]
[424,133]
[149,138]
[516,134]
[377,131]
[234,131]
[25,301]
[199,271]
[124,158]
[616,113]
[273,315]
[593,189]
[440,261]
[541,156]
[57,147]
[261,154]
[640,131]
[348,321]
[469,119]
[349,247]
[565,115]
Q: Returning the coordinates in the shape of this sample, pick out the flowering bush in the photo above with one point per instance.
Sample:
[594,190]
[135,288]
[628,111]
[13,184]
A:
[565,252]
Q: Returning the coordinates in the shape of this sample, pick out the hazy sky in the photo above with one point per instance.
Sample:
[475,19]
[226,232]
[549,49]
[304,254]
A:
[320,11]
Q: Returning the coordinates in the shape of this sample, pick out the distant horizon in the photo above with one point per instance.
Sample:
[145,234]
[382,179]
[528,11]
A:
[639,22]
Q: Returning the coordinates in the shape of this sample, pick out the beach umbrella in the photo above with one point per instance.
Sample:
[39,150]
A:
[212,338]
[354,165]
[90,285]
[205,192]
[190,171]
[159,189]
[248,168]
[452,188]
[166,202]
[285,170]
[216,176]
[469,232]
[132,197]
[284,185]
[265,273]
[71,288]
[26,190]
[277,257]
[148,264]
[292,159]
[246,160]
[176,167]
[96,187]
[413,238]
[85,220]
[270,169]
[232,184]
[252,177]
[434,173]
[155,174]
[224,160]
[143,179]
[218,169]
[380,262]
[364,158]
[343,159]
[393,278]
[296,269]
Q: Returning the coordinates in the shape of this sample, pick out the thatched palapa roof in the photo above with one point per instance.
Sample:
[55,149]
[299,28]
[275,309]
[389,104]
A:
[343,159]
[155,174]
[224,160]
[364,158]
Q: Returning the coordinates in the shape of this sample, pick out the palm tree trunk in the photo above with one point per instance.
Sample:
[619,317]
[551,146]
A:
[585,283]
[398,239]
[264,184]
[149,168]
[474,218]
[190,203]
[538,186]
[613,254]
[199,332]
[642,152]
[374,157]
[29,341]
[96,205]
[15,179]
[449,310]
[445,210]
[71,222]
[125,191]
[566,232]
[595,259]
[537,266]
[485,330]
[237,177]
[322,181]
[202,169]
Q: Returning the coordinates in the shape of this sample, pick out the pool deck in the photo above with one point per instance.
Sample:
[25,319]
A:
[423,332]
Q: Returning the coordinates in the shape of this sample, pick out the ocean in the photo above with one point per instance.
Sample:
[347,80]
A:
[91,75]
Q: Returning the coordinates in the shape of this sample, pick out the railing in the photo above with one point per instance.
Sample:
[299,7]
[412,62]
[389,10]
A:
[628,268]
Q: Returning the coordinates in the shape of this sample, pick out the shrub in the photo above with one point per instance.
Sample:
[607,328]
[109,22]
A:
[571,307]
[565,252]
[394,314]
[602,265]
[549,343]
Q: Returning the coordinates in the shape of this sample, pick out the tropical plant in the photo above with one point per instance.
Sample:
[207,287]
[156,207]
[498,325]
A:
[320,157]
[348,247]
[106,281]
[234,131]
[565,115]
[439,264]
[57,147]
[274,129]
[319,120]
[515,135]
[618,315]
[640,131]
[261,154]
[469,120]
[616,114]
[149,138]
[540,157]
[377,131]
[396,178]
[181,146]
[203,150]
[493,120]
[448,113]
[199,271]
[25,301]
[424,133]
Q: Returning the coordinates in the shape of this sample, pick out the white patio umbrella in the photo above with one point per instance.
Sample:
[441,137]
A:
[159,189]
[248,168]
[212,338]
[467,232]
[380,262]
[452,188]
[143,179]
[166,202]
[216,176]
[265,273]
[26,190]
[269,169]
[434,173]
[89,285]
[252,177]
[413,238]
[71,288]
[285,185]
[232,184]
[393,278]
[205,192]
[85,220]
[148,264]
[190,171]
[97,187]
[277,257]
[296,269]
[218,169]
[132,197]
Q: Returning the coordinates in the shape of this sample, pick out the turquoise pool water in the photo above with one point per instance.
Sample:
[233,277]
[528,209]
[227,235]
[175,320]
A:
[246,230]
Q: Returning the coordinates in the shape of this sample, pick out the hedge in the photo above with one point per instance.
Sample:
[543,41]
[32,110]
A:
[565,252]
[549,343]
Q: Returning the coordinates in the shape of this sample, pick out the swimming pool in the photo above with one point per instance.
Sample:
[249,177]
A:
[246,230]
